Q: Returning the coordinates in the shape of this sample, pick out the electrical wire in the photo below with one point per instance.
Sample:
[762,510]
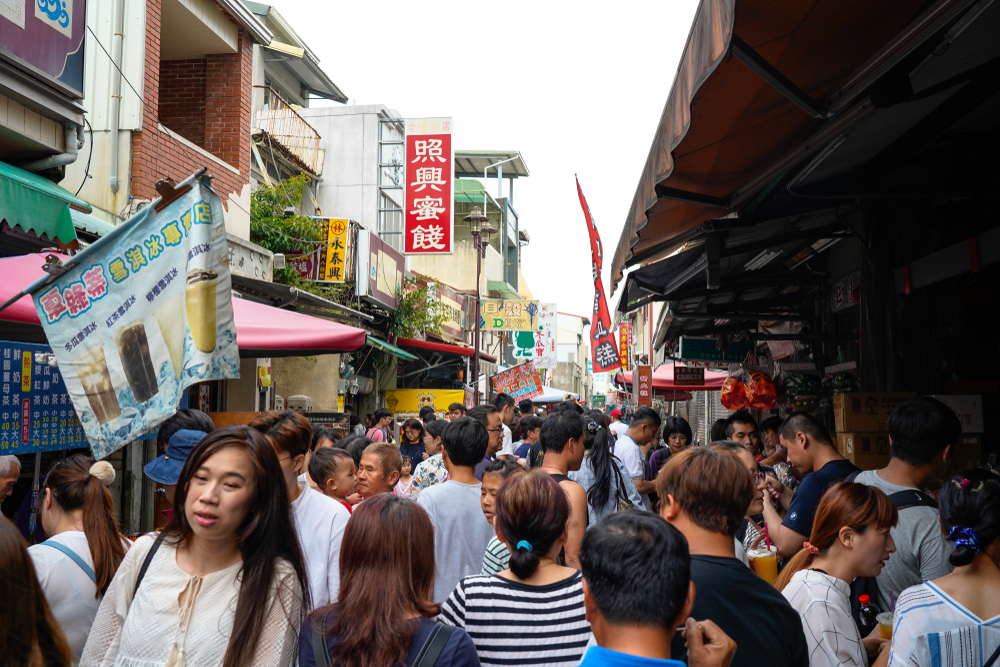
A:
[86,170]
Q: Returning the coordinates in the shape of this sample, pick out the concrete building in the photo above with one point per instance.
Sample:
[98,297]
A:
[573,353]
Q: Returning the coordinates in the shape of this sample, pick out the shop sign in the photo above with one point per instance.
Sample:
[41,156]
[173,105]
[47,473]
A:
[545,338]
[45,37]
[453,304]
[623,345]
[428,213]
[379,277]
[248,259]
[693,348]
[689,377]
[521,381]
[334,265]
[413,400]
[304,263]
[142,314]
[515,315]
[599,402]
[643,377]
[845,292]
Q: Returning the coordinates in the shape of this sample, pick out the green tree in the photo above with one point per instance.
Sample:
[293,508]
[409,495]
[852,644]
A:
[417,311]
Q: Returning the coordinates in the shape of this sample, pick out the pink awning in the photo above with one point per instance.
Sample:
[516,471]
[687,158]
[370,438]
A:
[663,380]
[261,331]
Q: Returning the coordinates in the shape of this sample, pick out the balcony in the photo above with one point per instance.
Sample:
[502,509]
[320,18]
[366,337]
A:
[289,133]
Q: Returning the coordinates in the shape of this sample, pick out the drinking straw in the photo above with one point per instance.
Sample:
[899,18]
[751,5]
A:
[892,602]
[767,538]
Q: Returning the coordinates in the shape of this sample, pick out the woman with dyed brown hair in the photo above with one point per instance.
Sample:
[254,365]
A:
[383,616]
[850,538]
[29,635]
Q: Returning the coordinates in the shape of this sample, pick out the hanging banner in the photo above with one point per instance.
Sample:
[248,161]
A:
[516,315]
[602,340]
[334,263]
[428,219]
[142,314]
[521,381]
[623,346]
[547,357]
[643,385]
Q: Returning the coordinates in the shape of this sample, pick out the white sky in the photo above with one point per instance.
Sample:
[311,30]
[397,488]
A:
[577,88]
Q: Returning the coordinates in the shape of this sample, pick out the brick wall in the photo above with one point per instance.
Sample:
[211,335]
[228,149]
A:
[182,98]
[226,134]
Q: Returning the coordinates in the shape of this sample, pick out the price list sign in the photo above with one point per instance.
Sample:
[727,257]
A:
[36,413]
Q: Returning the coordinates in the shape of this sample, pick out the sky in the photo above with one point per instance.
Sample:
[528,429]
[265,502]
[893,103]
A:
[576,88]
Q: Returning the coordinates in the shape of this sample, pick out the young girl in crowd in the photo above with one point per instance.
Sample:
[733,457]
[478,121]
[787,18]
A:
[431,470]
[496,471]
[76,564]
[955,620]
[321,439]
[534,610]
[383,617]
[29,634]
[335,475]
[224,582]
[850,538]
[677,437]
[402,488]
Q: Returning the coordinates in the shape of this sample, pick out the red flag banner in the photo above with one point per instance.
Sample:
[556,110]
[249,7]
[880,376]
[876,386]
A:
[604,353]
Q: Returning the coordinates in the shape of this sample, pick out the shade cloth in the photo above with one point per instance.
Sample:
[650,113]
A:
[261,331]
[663,379]
[437,347]
[37,205]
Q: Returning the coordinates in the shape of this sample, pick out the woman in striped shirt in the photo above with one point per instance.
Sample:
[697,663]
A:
[531,613]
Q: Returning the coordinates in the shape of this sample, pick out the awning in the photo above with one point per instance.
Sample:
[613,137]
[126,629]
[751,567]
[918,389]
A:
[437,347]
[758,91]
[380,344]
[261,331]
[663,380]
[553,395]
[37,205]
[280,295]
[90,224]
[472,163]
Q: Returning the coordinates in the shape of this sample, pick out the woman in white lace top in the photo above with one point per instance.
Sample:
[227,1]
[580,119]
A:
[223,584]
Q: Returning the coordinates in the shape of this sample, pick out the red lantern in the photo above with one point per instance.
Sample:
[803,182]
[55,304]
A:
[733,394]
[761,392]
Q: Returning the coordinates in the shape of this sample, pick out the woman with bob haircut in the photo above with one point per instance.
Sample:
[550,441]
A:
[224,582]
[29,634]
[532,612]
[412,442]
[384,614]
[850,538]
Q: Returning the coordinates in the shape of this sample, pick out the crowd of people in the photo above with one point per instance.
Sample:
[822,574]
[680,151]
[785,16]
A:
[497,537]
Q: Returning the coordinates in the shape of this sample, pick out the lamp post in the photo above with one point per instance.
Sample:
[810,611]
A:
[478,224]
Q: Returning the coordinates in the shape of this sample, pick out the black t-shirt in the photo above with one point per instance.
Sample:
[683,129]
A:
[802,509]
[766,629]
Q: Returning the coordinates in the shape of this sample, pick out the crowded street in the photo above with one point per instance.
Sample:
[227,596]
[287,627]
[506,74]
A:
[288,381]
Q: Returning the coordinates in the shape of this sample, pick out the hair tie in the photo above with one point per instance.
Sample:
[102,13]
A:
[964,537]
[810,548]
[526,544]
[965,482]
[593,427]
[104,472]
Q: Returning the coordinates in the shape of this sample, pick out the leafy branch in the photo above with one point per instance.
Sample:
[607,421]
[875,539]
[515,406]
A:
[417,311]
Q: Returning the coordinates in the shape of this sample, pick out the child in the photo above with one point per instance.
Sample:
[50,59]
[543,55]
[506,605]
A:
[497,554]
[402,488]
[334,472]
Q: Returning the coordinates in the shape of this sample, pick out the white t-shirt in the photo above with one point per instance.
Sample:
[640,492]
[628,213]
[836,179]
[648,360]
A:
[320,523]
[824,605]
[629,453]
[507,448]
[619,429]
[71,594]
[461,533]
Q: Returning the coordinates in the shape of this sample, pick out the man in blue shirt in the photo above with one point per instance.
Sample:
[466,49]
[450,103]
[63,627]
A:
[637,589]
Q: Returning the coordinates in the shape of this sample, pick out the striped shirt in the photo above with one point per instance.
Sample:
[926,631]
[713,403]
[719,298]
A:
[516,624]
[497,557]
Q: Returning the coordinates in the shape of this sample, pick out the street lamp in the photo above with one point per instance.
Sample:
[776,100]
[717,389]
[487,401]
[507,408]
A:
[478,225]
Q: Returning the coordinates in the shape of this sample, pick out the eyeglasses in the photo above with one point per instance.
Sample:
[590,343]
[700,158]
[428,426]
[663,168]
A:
[759,475]
[284,458]
[495,430]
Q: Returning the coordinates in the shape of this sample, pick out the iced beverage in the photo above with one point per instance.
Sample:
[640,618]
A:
[885,625]
[201,288]
[133,348]
[92,369]
[170,317]
[764,562]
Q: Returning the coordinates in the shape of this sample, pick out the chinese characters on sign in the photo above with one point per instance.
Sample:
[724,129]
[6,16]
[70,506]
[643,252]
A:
[336,250]
[499,315]
[538,345]
[623,346]
[521,381]
[688,377]
[643,385]
[430,174]
[602,340]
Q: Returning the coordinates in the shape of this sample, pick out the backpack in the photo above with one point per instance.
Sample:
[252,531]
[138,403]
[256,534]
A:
[867,585]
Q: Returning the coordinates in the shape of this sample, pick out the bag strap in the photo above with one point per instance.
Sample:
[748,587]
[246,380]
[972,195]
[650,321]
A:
[912,498]
[993,658]
[147,561]
[321,652]
[620,491]
[853,476]
[432,648]
[73,556]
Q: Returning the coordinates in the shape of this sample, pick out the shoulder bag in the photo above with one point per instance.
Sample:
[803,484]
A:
[622,502]
[427,657]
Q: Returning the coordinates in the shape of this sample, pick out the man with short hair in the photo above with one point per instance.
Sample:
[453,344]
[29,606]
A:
[922,432]
[562,439]
[488,416]
[618,427]
[460,534]
[644,429]
[741,428]
[769,433]
[504,404]
[526,407]
[812,453]
[456,411]
[10,470]
[427,414]
[381,423]
[705,493]
[637,590]
[381,466]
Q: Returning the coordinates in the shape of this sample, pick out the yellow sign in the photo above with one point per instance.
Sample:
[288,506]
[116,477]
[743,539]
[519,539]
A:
[516,315]
[26,372]
[412,400]
[335,261]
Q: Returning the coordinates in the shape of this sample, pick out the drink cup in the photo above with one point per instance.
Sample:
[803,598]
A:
[764,562]
[92,369]
[200,300]
[884,625]
[133,348]
[170,317]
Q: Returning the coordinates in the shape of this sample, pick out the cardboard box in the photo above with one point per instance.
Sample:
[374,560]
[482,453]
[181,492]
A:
[967,453]
[865,412]
[868,451]
[968,407]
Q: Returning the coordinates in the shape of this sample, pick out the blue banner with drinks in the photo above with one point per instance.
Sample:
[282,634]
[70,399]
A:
[142,314]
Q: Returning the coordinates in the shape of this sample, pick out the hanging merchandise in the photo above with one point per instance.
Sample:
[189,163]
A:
[841,378]
[733,393]
[798,392]
[760,391]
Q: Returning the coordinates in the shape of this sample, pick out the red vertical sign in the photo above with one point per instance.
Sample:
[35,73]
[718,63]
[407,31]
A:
[643,378]
[623,345]
[428,212]
[604,353]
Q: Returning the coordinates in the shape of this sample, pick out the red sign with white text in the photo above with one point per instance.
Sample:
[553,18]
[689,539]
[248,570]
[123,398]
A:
[428,213]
